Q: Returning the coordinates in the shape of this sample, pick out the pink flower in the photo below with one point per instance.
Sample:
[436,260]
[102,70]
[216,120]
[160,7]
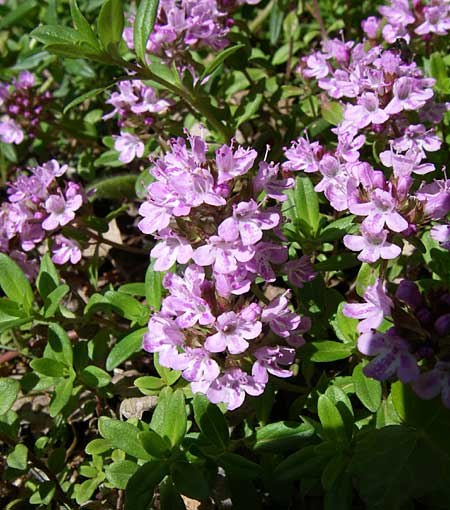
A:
[303,155]
[172,248]
[392,357]
[437,20]
[366,112]
[10,131]
[380,211]
[280,319]
[300,271]
[437,381]
[266,179]
[409,94]
[372,246]
[130,146]
[62,209]
[268,361]
[222,255]
[233,164]
[247,222]
[378,305]
[231,388]
[233,331]
[64,250]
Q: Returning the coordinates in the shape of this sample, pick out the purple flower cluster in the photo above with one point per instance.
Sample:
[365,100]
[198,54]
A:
[22,108]
[405,19]
[210,211]
[136,105]
[183,25]
[414,349]
[380,95]
[36,209]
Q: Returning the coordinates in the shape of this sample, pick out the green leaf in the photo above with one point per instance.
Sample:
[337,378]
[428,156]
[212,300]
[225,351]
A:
[9,388]
[59,346]
[44,494]
[52,300]
[345,327]
[368,390]
[122,435]
[47,279]
[366,277]
[98,446]
[169,497]
[154,444]
[326,351]
[47,366]
[282,436]
[337,229]
[83,492]
[237,466]
[190,480]
[119,473]
[175,420]
[332,112]
[83,27]
[124,348]
[340,495]
[220,59]
[332,470]
[127,306]
[159,414]
[110,24]
[303,462]
[11,315]
[115,187]
[14,283]
[63,392]
[332,422]
[141,486]
[397,464]
[56,35]
[81,99]
[20,12]
[149,383]
[94,377]
[18,458]
[211,422]
[153,287]
[143,26]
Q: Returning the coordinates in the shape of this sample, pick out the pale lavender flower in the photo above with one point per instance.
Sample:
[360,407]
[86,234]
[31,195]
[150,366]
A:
[366,111]
[435,198]
[380,210]
[437,20]
[231,388]
[224,256]
[316,66]
[130,146]
[392,357]
[370,26]
[441,233]
[247,223]
[398,12]
[409,94]
[303,155]
[62,209]
[196,363]
[172,248]
[233,164]
[233,331]
[185,300]
[10,131]
[434,382]
[268,361]
[372,246]
[267,179]
[417,137]
[300,271]
[377,306]
[280,319]
[409,293]
[406,164]
[163,336]
[267,253]
[64,250]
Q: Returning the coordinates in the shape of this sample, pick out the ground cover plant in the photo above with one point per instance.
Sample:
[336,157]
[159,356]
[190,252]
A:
[224,266]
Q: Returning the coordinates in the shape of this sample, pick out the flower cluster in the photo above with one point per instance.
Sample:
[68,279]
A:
[380,95]
[415,348]
[206,211]
[404,19]
[137,106]
[37,208]
[22,108]
[184,25]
